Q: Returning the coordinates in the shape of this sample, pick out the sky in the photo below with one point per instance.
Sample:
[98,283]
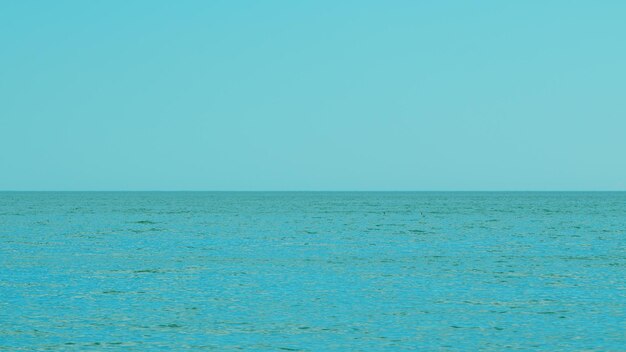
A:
[312,95]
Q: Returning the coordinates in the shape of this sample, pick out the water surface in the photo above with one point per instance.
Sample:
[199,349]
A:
[312,271]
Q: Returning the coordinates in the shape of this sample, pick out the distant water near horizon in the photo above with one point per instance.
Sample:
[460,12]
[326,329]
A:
[312,271]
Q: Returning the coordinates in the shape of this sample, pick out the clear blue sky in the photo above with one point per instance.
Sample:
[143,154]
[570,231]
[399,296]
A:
[312,95]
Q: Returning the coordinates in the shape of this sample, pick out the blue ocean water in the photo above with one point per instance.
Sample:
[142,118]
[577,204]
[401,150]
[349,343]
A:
[312,271]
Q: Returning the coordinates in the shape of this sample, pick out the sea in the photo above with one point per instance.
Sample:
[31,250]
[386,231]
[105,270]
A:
[312,271]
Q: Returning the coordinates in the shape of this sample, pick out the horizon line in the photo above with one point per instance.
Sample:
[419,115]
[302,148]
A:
[312,191]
